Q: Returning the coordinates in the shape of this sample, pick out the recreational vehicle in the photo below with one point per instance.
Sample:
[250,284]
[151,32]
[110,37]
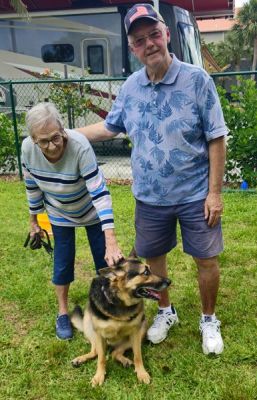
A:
[88,41]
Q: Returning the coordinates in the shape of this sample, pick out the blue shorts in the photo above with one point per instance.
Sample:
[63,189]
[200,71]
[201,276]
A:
[156,230]
[64,251]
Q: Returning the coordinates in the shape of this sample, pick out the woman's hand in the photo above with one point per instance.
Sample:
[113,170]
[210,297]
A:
[113,253]
[34,227]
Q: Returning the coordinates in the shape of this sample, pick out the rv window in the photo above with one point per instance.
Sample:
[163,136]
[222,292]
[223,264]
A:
[57,53]
[191,51]
[95,56]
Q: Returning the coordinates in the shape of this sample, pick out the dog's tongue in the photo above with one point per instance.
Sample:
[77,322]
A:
[155,294]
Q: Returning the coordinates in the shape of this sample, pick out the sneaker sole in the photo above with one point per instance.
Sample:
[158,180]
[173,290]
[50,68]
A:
[156,342]
[207,352]
[161,340]
[57,337]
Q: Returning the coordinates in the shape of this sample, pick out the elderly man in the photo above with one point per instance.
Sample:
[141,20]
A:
[172,114]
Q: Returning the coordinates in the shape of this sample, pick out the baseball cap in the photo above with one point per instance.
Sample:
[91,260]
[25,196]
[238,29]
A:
[141,10]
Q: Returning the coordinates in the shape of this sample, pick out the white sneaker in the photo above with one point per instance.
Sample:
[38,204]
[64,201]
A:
[212,340]
[161,325]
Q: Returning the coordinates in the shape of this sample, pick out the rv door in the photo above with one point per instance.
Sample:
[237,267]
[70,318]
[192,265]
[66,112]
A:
[95,56]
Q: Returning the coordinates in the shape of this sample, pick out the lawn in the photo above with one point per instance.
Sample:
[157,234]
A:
[34,365]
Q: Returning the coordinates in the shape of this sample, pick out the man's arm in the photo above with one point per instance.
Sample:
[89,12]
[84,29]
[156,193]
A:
[213,203]
[96,132]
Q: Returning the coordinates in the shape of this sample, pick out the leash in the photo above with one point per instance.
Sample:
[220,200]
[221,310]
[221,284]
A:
[37,242]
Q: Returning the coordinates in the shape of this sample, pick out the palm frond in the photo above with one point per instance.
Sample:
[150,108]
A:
[20,8]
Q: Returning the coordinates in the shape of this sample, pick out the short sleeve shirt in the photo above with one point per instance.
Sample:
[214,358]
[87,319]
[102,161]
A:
[170,124]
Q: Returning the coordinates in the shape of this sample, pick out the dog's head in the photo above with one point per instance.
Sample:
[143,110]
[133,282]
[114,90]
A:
[133,280]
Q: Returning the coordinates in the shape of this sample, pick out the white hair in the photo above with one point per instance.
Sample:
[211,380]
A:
[42,114]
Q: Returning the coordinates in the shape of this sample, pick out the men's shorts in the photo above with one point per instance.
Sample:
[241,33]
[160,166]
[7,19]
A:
[156,230]
[64,251]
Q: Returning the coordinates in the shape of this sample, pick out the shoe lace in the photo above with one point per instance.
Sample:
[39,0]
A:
[63,321]
[210,329]
[160,318]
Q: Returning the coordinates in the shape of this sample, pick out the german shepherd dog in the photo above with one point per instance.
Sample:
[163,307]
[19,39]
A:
[115,315]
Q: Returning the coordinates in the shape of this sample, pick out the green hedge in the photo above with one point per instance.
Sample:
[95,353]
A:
[240,113]
[8,153]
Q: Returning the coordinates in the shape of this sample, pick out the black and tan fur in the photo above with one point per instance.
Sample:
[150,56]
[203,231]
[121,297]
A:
[115,315]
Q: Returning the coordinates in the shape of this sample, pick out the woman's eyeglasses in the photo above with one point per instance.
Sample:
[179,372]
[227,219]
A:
[56,139]
[141,41]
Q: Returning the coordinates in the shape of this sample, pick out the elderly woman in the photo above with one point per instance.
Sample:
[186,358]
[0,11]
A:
[62,177]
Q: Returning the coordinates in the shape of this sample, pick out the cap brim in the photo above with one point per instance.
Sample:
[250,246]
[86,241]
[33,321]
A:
[143,17]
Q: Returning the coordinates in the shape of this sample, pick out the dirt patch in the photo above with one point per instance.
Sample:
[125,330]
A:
[13,316]
[82,273]
[9,177]
[122,182]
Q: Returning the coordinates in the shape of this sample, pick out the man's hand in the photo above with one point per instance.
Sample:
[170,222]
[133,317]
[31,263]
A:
[213,208]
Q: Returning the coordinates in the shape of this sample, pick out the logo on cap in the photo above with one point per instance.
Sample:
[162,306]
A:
[142,10]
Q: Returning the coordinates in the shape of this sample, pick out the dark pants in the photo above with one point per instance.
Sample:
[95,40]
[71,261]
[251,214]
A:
[64,251]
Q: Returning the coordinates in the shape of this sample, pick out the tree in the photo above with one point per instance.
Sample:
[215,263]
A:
[247,19]
[231,50]
[20,8]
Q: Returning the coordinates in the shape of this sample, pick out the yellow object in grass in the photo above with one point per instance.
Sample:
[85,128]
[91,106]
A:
[44,223]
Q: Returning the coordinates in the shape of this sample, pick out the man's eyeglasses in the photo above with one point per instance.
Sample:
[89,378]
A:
[56,139]
[141,41]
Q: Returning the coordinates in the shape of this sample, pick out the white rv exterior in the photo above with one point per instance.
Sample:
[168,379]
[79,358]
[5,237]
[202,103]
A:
[97,36]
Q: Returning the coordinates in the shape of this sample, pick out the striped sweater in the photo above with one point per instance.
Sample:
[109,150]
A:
[72,190]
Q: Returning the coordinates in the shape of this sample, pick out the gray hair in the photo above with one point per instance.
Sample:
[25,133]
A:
[42,114]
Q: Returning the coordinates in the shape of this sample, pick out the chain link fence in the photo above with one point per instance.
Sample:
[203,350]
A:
[81,102]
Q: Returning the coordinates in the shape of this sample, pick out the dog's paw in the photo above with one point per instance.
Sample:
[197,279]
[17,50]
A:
[76,362]
[126,362]
[143,377]
[98,379]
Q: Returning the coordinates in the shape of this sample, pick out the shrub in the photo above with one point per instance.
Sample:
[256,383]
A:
[240,114]
[8,152]
[76,99]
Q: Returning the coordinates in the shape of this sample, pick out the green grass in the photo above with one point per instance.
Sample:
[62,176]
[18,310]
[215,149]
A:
[35,365]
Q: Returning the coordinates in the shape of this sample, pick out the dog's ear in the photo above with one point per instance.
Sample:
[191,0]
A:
[133,253]
[111,272]
[108,272]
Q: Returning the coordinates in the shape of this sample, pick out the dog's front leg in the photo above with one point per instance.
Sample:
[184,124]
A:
[98,379]
[142,375]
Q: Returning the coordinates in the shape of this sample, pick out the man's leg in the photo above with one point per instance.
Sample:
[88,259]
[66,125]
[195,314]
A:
[208,280]
[204,243]
[167,315]
[158,266]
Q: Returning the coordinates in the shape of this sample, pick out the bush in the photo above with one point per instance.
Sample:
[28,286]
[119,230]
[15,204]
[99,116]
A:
[8,152]
[72,98]
[241,117]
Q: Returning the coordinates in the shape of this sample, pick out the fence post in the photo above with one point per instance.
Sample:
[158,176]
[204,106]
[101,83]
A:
[17,143]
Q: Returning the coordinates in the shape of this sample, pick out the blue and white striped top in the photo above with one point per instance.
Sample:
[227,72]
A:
[73,190]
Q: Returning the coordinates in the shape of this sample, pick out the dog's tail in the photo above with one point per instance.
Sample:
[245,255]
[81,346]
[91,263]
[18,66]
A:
[77,318]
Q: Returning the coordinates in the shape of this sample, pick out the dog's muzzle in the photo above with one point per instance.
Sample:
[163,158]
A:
[152,292]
